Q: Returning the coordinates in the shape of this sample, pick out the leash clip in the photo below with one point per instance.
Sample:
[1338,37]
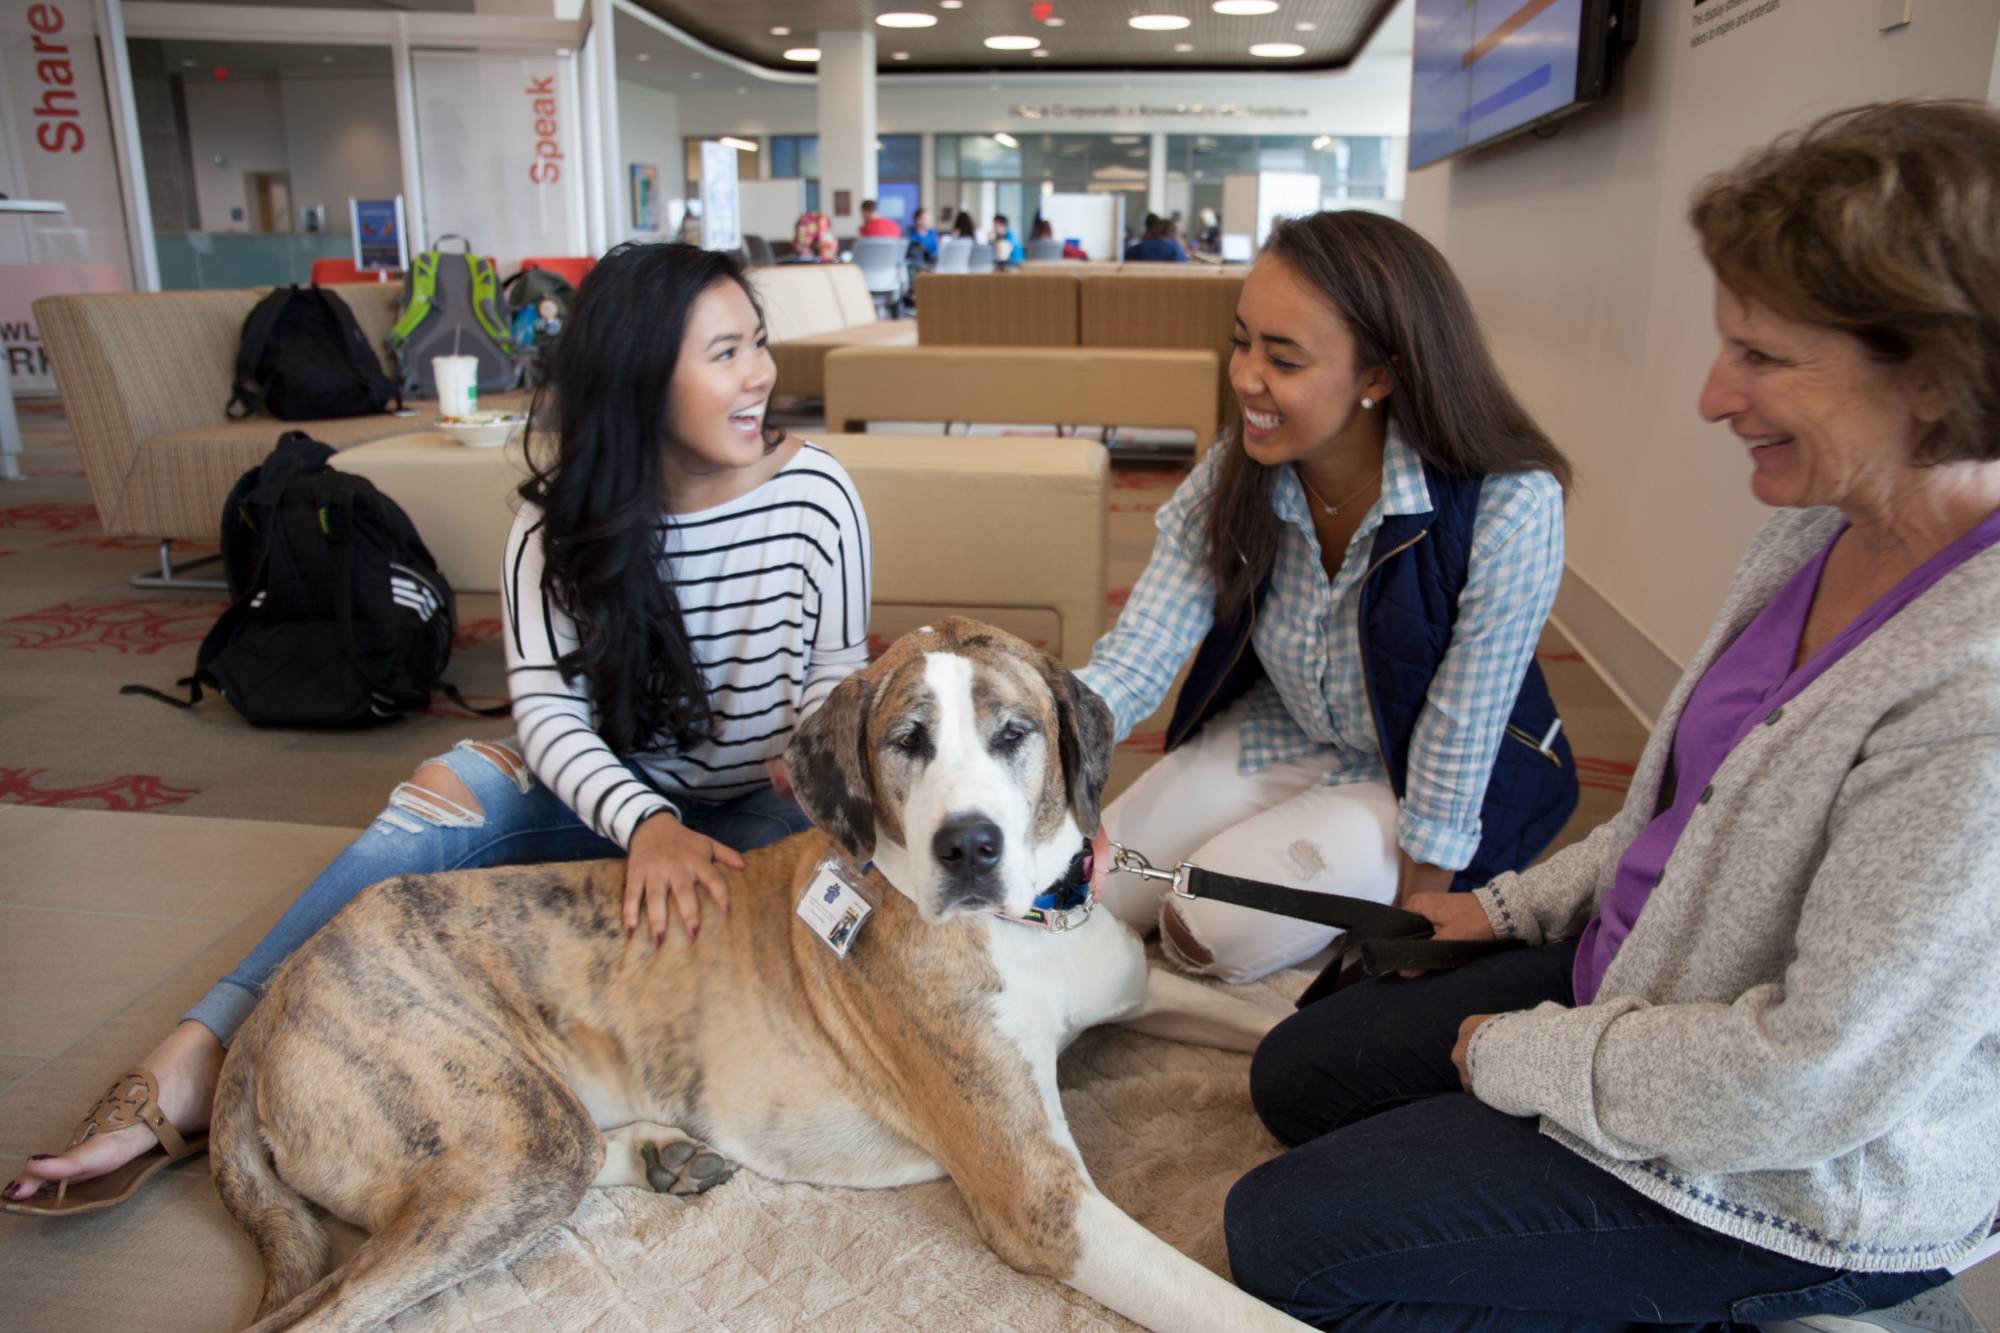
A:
[1135,863]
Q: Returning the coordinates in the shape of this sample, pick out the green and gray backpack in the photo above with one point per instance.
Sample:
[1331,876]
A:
[451,307]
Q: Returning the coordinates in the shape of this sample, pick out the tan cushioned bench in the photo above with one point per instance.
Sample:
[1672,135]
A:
[997,309]
[1066,385]
[1011,531]
[810,309]
[145,379]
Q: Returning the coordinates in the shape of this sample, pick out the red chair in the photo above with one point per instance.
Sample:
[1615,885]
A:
[326,271]
[571,270]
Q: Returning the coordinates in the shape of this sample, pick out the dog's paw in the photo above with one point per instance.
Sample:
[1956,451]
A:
[682,1166]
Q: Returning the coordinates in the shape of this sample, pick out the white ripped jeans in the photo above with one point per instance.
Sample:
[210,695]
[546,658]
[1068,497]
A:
[1282,824]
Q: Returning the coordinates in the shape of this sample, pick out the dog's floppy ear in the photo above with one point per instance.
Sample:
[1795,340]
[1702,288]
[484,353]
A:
[1086,728]
[831,775]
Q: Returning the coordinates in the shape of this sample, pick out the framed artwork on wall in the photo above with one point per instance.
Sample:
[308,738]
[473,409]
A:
[645,197]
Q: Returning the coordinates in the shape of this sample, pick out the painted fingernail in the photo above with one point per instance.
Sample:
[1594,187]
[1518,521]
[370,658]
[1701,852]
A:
[694,932]
[659,939]
[630,931]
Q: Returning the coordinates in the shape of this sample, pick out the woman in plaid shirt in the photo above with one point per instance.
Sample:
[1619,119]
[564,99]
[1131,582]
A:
[1372,555]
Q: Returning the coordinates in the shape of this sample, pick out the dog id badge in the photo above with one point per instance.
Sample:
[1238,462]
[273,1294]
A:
[833,908]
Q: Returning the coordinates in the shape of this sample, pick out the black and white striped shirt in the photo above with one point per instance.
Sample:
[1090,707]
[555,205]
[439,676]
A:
[774,591]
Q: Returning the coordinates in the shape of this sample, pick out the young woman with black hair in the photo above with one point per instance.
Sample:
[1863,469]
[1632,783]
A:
[682,584]
[1366,563]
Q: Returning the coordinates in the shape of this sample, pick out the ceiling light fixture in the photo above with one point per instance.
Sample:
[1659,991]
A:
[643,57]
[1277,50]
[1157,22]
[906,20]
[1006,140]
[1244,8]
[1304,27]
[1012,43]
[803,54]
[1322,141]
[1183,47]
[900,55]
[563,51]
[695,75]
[951,4]
[1039,53]
[781,32]
[740,145]
[1052,23]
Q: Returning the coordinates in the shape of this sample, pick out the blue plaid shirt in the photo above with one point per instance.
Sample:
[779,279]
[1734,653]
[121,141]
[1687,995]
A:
[1312,702]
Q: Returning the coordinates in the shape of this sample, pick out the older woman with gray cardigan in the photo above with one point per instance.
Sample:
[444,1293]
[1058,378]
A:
[1746,1066]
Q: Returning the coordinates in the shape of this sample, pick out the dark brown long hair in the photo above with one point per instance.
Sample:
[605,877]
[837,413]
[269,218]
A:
[1409,316]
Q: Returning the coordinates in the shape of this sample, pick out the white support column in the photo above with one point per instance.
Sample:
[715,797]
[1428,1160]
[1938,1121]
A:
[846,125]
[617,211]
[597,222]
[927,186]
[1156,176]
[418,238]
[125,138]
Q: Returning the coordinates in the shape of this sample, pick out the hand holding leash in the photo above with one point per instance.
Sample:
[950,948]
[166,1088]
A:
[669,859]
[1453,916]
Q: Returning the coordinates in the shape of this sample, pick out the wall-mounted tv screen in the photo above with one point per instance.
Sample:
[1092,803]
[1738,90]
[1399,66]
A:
[1486,69]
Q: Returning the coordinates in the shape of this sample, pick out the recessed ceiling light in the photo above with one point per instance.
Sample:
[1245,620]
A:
[1183,47]
[1322,141]
[1304,27]
[1012,43]
[1039,53]
[951,4]
[900,55]
[643,57]
[1240,8]
[562,50]
[781,32]
[803,54]
[907,20]
[1277,50]
[740,145]
[1157,22]
[1006,140]
[1052,23]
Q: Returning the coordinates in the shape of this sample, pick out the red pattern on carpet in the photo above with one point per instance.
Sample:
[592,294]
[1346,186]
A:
[50,517]
[135,628]
[127,791]
[1604,774]
[472,633]
[181,549]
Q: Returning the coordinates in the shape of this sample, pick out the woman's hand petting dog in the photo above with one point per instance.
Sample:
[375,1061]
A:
[668,859]
[1453,916]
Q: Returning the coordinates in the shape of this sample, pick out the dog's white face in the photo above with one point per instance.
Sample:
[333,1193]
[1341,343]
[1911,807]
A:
[964,762]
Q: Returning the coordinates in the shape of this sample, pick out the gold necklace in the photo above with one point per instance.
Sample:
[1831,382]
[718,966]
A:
[1333,511]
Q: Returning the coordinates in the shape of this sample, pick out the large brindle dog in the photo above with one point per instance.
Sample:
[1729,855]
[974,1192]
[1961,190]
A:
[456,1058]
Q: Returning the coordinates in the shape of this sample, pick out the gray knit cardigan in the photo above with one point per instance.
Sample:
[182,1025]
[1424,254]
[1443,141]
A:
[1798,1044]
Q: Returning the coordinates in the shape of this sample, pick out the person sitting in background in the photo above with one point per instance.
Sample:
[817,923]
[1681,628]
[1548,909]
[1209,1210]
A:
[1746,1068]
[963,228]
[873,225]
[1006,250]
[1043,231]
[1158,244]
[813,241]
[923,238]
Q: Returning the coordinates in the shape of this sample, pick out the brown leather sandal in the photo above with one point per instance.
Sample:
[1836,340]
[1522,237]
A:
[133,1100]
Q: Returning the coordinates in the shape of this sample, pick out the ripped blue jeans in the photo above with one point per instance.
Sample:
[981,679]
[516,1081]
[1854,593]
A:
[514,820]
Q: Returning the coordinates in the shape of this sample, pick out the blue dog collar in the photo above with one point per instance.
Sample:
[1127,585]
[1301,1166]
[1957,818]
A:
[1067,903]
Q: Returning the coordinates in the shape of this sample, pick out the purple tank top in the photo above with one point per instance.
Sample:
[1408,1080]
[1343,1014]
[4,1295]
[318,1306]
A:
[1745,686]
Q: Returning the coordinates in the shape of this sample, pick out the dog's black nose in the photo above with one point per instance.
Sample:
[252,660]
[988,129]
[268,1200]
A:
[967,845]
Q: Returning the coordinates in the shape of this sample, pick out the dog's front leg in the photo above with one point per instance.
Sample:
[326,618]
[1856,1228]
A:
[1182,1009]
[1128,1268]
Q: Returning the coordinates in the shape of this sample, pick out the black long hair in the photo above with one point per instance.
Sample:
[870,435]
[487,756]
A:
[1408,314]
[601,488]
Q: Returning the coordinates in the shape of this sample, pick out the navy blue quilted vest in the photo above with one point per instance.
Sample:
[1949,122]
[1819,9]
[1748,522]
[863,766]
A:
[1409,604]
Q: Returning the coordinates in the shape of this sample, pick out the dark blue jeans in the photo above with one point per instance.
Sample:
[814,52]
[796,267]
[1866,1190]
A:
[1408,1204]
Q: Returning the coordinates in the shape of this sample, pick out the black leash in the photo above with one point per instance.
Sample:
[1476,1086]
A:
[1378,939]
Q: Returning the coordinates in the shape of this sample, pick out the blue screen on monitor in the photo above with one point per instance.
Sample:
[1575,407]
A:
[1487,67]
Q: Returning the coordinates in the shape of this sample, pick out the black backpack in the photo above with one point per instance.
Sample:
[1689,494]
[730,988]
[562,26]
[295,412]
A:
[338,616]
[304,358]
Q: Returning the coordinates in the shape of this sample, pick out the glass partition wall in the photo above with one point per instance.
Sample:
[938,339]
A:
[984,174]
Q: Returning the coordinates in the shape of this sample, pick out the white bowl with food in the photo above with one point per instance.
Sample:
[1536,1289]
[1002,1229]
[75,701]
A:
[483,430]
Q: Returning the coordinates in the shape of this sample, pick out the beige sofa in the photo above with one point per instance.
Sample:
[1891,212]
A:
[1110,386]
[145,379]
[1011,531]
[809,310]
